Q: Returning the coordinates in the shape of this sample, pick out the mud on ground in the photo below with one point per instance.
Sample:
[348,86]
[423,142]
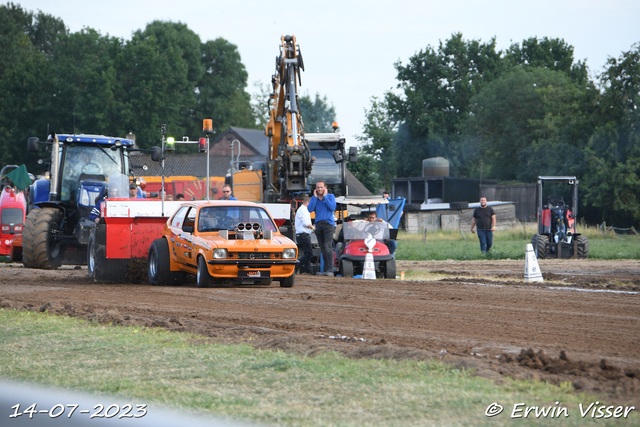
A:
[582,325]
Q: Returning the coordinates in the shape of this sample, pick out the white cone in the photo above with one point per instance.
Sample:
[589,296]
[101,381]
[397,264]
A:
[369,271]
[532,271]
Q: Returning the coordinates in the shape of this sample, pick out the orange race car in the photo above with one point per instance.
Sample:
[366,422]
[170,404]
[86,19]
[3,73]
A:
[224,241]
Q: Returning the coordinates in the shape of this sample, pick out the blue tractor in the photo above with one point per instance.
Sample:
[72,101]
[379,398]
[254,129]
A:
[57,227]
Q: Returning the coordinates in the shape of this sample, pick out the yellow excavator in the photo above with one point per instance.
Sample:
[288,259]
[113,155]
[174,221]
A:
[290,159]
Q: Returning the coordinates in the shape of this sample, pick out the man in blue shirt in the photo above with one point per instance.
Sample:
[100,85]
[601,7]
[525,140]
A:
[226,193]
[324,204]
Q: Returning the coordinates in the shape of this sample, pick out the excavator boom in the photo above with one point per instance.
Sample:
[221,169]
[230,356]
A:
[290,159]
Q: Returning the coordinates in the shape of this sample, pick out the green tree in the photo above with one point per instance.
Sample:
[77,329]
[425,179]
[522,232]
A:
[221,90]
[552,54]
[27,82]
[528,123]
[376,160]
[260,103]
[317,114]
[159,70]
[437,86]
[613,154]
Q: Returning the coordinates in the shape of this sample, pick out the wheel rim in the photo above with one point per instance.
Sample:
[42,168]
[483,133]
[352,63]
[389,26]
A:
[54,247]
[199,272]
[153,265]
[92,263]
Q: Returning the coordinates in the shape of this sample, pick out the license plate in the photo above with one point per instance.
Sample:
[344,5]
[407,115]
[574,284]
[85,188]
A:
[254,274]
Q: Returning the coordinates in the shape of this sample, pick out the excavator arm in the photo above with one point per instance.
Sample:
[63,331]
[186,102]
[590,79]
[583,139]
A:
[290,159]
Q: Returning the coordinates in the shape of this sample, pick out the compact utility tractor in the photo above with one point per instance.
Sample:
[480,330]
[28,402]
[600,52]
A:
[557,237]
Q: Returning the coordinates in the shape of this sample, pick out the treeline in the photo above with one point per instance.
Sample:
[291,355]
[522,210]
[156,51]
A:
[55,80]
[514,115]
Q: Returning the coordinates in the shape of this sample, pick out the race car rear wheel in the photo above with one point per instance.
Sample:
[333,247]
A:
[158,265]
[203,278]
[288,282]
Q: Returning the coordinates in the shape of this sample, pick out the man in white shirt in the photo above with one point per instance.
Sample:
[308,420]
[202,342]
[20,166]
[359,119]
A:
[304,228]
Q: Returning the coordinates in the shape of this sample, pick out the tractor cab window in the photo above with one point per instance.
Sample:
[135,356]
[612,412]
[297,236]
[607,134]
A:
[87,163]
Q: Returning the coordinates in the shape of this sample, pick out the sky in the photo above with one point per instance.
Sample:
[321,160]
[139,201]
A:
[350,47]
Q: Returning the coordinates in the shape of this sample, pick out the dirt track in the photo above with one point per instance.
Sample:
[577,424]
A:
[582,325]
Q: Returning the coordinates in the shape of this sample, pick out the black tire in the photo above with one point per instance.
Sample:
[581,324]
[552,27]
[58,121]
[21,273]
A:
[539,243]
[39,249]
[203,278]
[390,269]
[91,258]
[346,268]
[158,265]
[288,282]
[104,270]
[583,247]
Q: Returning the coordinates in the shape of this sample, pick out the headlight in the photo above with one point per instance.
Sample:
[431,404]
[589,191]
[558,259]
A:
[219,253]
[289,254]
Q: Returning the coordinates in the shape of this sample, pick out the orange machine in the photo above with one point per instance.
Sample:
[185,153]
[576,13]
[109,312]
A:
[290,160]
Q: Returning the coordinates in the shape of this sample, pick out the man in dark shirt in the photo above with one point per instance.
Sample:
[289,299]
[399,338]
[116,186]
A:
[485,218]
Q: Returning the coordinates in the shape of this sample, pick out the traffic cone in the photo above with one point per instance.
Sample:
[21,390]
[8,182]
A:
[369,271]
[532,271]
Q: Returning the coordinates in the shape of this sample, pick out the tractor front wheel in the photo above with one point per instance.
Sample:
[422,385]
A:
[40,248]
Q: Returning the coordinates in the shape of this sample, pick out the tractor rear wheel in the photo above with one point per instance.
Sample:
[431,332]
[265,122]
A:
[40,249]
[539,243]
[583,247]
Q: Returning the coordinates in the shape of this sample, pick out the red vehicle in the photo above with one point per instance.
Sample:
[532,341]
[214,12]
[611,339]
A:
[12,214]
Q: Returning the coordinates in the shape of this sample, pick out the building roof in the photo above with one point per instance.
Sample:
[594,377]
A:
[186,165]
[254,138]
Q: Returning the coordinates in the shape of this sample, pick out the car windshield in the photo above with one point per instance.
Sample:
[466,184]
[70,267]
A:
[216,218]
[360,230]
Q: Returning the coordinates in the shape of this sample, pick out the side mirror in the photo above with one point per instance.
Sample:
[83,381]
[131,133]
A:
[33,144]
[353,154]
[337,156]
[156,154]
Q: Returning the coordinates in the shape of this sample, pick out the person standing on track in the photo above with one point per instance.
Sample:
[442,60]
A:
[304,228]
[485,218]
[324,204]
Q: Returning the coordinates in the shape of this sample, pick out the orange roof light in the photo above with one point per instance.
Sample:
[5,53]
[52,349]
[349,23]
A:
[207,126]
[334,125]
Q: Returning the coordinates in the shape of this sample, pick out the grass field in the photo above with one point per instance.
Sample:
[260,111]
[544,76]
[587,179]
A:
[507,244]
[183,371]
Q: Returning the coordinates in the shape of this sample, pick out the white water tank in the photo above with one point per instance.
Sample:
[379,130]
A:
[435,166]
